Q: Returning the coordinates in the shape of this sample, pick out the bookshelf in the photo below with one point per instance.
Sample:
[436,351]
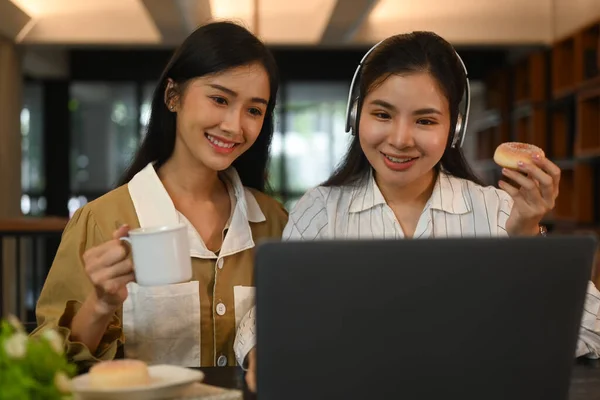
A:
[551,98]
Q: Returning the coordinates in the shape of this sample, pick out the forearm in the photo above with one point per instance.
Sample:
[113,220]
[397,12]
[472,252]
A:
[91,322]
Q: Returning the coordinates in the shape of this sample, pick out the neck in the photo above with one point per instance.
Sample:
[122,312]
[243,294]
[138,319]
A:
[190,179]
[415,193]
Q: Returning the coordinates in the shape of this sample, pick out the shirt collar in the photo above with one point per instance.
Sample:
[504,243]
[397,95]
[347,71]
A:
[154,207]
[448,195]
[366,195]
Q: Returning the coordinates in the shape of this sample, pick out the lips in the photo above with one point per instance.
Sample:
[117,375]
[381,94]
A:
[221,145]
[399,159]
[220,142]
[398,163]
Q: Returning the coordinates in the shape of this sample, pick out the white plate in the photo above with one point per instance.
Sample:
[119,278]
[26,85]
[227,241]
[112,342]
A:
[167,381]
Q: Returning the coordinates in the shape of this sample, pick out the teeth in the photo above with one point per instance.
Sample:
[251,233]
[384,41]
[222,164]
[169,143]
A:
[218,143]
[398,160]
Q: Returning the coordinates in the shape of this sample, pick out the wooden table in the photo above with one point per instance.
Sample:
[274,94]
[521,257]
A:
[227,377]
[585,383]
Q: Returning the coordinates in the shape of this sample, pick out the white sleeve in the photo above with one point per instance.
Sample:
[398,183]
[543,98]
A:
[589,333]
[245,338]
[308,220]
[505,204]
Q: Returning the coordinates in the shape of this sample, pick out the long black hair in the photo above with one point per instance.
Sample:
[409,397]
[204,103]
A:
[400,54]
[212,48]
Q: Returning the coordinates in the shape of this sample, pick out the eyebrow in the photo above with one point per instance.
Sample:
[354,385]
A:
[391,107]
[384,104]
[425,111]
[234,94]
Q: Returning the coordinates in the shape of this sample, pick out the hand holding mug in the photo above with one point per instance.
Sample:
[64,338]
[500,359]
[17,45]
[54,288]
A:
[110,271]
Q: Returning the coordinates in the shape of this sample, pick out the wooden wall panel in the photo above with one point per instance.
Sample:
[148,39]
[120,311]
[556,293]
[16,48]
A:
[10,159]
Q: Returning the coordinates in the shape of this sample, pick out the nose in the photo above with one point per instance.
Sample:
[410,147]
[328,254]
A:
[402,135]
[232,121]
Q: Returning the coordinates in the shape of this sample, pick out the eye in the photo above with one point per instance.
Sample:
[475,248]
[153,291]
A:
[219,100]
[424,121]
[257,112]
[382,115]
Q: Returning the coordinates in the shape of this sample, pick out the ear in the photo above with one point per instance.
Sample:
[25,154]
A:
[171,96]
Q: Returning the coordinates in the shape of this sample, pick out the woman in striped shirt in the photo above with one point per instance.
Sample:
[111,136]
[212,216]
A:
[405,176]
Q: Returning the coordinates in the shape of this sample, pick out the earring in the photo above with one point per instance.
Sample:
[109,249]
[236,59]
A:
[172,107]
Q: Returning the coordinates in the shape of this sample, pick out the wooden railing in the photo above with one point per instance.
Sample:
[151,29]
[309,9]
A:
[24,224]
[27,248]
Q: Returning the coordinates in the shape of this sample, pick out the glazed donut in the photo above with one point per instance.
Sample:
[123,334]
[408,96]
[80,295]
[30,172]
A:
[119,374]
[508,154]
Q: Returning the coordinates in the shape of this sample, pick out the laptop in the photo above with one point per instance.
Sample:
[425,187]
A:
[469,319]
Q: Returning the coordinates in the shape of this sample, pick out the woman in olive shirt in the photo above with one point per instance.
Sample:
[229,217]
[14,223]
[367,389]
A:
[202,163]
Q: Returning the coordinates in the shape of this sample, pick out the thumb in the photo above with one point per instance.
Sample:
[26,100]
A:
[121,231]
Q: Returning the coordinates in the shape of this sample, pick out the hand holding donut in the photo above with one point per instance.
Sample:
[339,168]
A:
[538,177]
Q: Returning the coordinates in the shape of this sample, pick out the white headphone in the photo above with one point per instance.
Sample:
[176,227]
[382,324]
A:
[461,121]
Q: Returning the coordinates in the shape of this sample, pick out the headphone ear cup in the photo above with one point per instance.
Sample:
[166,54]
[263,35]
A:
[459,124]
[457,130]
[353,116]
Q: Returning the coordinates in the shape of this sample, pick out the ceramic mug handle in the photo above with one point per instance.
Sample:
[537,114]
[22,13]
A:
[129,247]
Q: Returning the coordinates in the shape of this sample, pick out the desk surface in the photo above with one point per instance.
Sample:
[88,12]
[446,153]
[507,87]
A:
[585,382]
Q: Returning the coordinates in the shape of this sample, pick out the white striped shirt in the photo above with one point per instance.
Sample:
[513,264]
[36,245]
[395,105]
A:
[457,208]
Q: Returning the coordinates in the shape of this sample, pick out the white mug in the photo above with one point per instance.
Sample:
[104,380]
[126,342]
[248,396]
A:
[161,255]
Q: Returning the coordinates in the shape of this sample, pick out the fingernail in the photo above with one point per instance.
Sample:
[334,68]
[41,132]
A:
[521,164]
[535,156]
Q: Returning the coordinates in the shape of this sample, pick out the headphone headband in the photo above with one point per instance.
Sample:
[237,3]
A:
[353,102]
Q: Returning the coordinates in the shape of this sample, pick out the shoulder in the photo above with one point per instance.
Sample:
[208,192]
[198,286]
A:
[315,199]
[323,200]
[107,212]
[114,199]
[477,195]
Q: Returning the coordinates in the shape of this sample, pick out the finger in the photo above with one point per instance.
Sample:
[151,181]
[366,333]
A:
[122,268]
[538,174]
[113,286]
[520,179]
[508,188]
[114,253]
[121,231]
[549,167]
[546,183]
[96,252]
[96,258]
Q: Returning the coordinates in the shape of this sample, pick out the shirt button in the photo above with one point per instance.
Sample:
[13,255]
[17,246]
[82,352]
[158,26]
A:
[220,263]
[221,309]
[222,361]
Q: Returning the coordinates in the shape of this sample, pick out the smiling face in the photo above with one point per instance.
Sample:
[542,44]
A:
[403,129]
[220,116]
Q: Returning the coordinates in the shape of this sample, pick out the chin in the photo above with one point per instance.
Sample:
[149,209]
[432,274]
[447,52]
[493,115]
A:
[396,178]
[213,163]
[220,165]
